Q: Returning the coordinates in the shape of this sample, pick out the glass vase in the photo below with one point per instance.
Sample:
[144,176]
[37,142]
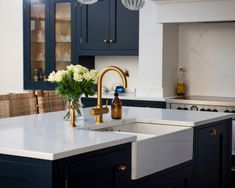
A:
[76,106]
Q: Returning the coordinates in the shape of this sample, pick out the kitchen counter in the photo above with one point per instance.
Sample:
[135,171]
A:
[48,136]
[203,100]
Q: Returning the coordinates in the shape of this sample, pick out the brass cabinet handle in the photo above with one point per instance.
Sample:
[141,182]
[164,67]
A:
[106,41]
[213,132]
[111,41]
[122,168]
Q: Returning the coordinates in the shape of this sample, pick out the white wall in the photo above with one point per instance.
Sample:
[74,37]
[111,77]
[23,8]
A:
[150,53]
[170,59]
[11,47]
[112,79]
[207,51]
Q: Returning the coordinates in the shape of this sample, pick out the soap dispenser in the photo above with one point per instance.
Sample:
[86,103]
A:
[116,107]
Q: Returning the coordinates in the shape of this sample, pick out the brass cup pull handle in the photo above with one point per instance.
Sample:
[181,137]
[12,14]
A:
[213,132]
[122,168]
[106,41]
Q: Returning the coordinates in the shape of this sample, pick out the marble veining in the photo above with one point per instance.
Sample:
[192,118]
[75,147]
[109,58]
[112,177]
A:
[206,52]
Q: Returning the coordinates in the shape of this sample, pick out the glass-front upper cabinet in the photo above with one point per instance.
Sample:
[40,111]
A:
[63,35]
[37,40]
[49,39]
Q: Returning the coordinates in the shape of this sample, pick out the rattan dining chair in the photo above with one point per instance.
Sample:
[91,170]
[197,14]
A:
[22,104]
[4,106]
[49,101]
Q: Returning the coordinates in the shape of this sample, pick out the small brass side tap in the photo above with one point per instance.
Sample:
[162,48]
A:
[100,110]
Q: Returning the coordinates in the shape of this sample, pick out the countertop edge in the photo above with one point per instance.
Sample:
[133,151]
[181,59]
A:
[57,156]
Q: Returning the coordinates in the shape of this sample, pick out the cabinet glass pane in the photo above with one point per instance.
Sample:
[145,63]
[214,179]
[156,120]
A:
[63,35]
[37,28]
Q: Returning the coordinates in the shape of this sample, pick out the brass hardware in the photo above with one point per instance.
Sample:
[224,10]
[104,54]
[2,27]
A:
[122,168]
[213,132]
[99,110]
[106,41]
[111,41]
[72,115]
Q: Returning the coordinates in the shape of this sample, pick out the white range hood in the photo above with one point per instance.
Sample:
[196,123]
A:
[181,11]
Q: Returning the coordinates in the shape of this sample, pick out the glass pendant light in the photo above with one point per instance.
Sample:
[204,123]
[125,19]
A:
[133,4]
[87,2]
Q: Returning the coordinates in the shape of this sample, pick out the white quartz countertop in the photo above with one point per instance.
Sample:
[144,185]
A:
[48,136]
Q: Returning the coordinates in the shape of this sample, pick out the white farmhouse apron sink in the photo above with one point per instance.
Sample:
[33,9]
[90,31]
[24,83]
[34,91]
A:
[157,147]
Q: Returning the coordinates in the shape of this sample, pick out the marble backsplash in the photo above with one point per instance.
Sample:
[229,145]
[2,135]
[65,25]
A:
[207,51]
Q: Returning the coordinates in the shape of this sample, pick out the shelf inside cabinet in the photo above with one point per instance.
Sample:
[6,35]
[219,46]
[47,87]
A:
[37,19]
[69,42]
[61,20]
[38,42]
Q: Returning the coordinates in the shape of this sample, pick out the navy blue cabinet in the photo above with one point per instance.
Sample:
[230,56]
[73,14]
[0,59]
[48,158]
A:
[108,28]
[107,168]
[50,40]
[18,172]
[89,102]
[212,155]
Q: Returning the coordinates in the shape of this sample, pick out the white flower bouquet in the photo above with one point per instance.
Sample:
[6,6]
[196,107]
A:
[73,82]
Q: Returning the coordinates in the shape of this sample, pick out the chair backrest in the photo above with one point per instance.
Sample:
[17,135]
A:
[4,106]
[49,101]
[22,104]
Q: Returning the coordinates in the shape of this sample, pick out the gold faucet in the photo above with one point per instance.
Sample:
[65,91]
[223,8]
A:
[100,110]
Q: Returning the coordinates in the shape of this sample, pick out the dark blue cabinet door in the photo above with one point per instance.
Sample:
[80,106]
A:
[19,172]
[94,26]
[124,27]
[108,28]
[212,156]
[102,170]
[180,178]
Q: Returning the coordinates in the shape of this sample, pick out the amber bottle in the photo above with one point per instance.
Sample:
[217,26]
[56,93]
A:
[116,107]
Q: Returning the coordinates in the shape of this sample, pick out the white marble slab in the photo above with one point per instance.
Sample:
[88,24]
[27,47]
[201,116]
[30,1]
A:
[48,136]
[163,116]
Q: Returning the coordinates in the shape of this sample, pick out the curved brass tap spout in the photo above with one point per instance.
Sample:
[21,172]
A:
[99,110]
